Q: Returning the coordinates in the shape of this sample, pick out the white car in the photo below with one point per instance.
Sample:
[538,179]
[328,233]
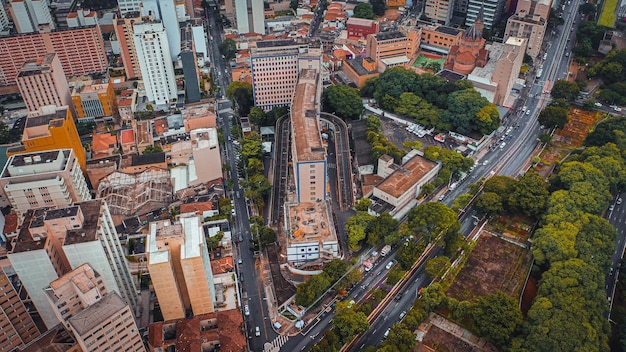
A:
[389,265]
[246,310]
[257,331]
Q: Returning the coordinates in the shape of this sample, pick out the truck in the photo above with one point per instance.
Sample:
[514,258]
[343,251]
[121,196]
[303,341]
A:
[385,250]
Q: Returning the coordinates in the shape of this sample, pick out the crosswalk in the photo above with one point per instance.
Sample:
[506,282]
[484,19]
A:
[276,344]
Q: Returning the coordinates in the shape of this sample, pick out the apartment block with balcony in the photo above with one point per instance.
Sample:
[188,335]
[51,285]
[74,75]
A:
[43,179]
[17,328]
[529,21]
[123,27]
[52,242]
[180,268]
[80,50]
[50,128]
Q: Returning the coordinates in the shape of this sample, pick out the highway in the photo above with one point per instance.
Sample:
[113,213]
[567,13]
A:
[616,215]
[253,292]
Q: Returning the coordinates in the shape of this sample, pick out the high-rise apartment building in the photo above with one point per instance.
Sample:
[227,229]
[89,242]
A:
[82,17]
[127,6]
[439,10]
[123,27]
[4,18]
[94,100]
[250,16]
[42,82]
[81,51]
[43,179]
[31,16]
[180,268]
[275,68]
[165,11]
[16,325]
[490,11]
[99,320]
[50,128]
[529,21]
[155,62]
[52,242]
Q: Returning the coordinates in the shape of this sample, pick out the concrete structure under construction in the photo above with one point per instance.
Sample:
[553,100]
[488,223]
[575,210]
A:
[52,242]
[180,268]
[43,179]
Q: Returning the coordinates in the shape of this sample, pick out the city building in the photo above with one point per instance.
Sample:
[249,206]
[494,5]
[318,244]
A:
[127,6]
[82,17]
[82,303]
[94,100]
[165,12]
[401,185]
[126,105]
[5,25]
[394,48]
[43,179]
[360,69]
[55,339]
[310,233]
[199,40]
[103,145]
[135,163]
[495,80]
[50,128]
[469,52]
[123,27]
[190,65]
[31,16]
[249,16]
[199,154]
[438,38]
[42,82]
[153,54]
[52,242]
[180,268]
[489,11]
[360,28]
[529,21]
[81,51]
[439,10]
[17,328]
[275,69]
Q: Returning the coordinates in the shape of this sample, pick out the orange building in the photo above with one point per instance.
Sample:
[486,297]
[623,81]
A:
[49,128]
[439,38]
[360,69]
[94,100]
[396,3]
[394,48]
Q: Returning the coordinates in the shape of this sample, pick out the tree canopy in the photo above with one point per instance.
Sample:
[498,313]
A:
[364,10]
[241,95]
[343,100]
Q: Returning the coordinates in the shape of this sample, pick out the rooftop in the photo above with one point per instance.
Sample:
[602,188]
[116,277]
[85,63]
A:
[27,159]
[389,35]
[103,141]
[304,119]
[97,313]
[82,277]
[57,339]
[275,43]
[406,176]
[448,30]
[127,136]
[309,222]
[40,65]
[357,65]
[47,118]
[89,231]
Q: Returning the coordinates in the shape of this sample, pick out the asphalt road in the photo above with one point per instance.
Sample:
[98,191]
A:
[617,218]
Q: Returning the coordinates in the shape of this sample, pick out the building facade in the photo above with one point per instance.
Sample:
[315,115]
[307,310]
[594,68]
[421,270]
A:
[17,328]
[50,128]
[439,38]
[249,16]
[394,48]
[529,21]
[31,16]
[490,11]
[43,179]
[123,27]
[42,82]
[155,62]
[439,10]
[80,50]
[180,268]
[360,28]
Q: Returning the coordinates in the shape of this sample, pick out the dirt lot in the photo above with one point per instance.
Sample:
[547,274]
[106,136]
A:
[517,227]
[494,265]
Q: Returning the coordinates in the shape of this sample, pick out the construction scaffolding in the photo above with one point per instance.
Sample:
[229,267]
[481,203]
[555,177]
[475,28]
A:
[131,194]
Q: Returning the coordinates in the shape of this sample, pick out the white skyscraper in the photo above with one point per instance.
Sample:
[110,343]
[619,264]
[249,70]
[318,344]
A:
[31,15]
[155,60]
[249,16]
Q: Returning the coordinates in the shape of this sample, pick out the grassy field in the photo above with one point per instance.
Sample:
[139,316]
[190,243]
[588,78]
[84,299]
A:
[607,17]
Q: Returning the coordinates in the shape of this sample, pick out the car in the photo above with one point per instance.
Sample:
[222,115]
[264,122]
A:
[402,314]
[597,104]
[389,265]
[611,207]
[257,331]
[527,112]
[386,333]
[246,310]
[619,201]
[240,261]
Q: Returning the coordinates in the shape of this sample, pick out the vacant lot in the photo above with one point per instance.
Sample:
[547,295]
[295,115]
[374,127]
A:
[494,265]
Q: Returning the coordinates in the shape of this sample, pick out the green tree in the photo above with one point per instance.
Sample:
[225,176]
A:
[335,269]
[257,116]
[489,204]
[349,322]
[356,227]
[435,267]
[378,6]
[530,194]
[363,204]
[400,339]
[252,146]
[395,275]
[433,220]
[343,100]
[495,317]
[462,113]
[152,149]
[379,227]
[553,117]
[308,291]
[213,242]
[503,186]
[564,89]
[488,118]
[408,253]
[364,10]
[228,48]
[241,95]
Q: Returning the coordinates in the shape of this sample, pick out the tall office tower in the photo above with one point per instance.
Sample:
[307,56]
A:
[165,10]
[81,51]
[4,18]
[439,10]
[180,268]
[94,100]
[155,61]
[16,325]
[53,242]
[50,128]
[43,179]
[249,16]
[31,15]
[99,320]
[123,27]
[490,11]
[529,21]
[275,68]
[42,82]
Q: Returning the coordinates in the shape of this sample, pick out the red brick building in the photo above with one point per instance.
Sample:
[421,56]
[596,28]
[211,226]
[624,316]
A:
[359,28]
